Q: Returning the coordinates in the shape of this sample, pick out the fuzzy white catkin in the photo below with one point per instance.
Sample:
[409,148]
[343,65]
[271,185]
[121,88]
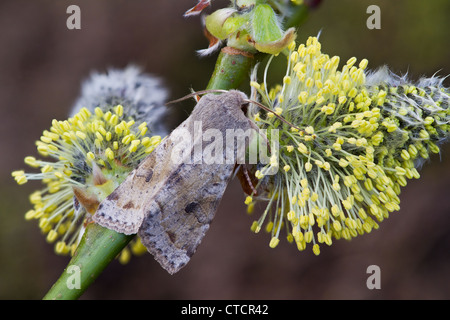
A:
[384,76]
[142,95]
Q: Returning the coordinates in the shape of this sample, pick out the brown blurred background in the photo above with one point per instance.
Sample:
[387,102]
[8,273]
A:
[42,64]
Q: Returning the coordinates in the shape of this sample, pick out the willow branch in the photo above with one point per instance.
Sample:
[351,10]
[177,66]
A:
[98,247]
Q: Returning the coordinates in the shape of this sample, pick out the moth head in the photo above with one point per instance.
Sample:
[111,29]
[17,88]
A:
[244,106]
[235,99]
[239,99]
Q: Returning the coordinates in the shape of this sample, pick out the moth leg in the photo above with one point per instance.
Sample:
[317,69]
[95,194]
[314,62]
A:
[245,180]
[88,221]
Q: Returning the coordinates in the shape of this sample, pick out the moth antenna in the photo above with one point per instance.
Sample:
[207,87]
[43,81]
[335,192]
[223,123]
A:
[192,94]
[275,114]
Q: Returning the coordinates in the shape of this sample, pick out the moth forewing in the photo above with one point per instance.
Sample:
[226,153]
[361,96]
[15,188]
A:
[170,200]
[122,210]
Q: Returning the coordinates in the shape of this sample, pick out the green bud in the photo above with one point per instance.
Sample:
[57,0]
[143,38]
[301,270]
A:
[268,37]
[215,23]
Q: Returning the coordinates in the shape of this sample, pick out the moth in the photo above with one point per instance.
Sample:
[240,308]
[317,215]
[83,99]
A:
[170,199]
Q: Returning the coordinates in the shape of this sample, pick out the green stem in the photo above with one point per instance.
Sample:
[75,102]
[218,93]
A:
[232,67]
[98,247]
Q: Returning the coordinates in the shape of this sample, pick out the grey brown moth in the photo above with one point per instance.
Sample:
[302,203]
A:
[170,199]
